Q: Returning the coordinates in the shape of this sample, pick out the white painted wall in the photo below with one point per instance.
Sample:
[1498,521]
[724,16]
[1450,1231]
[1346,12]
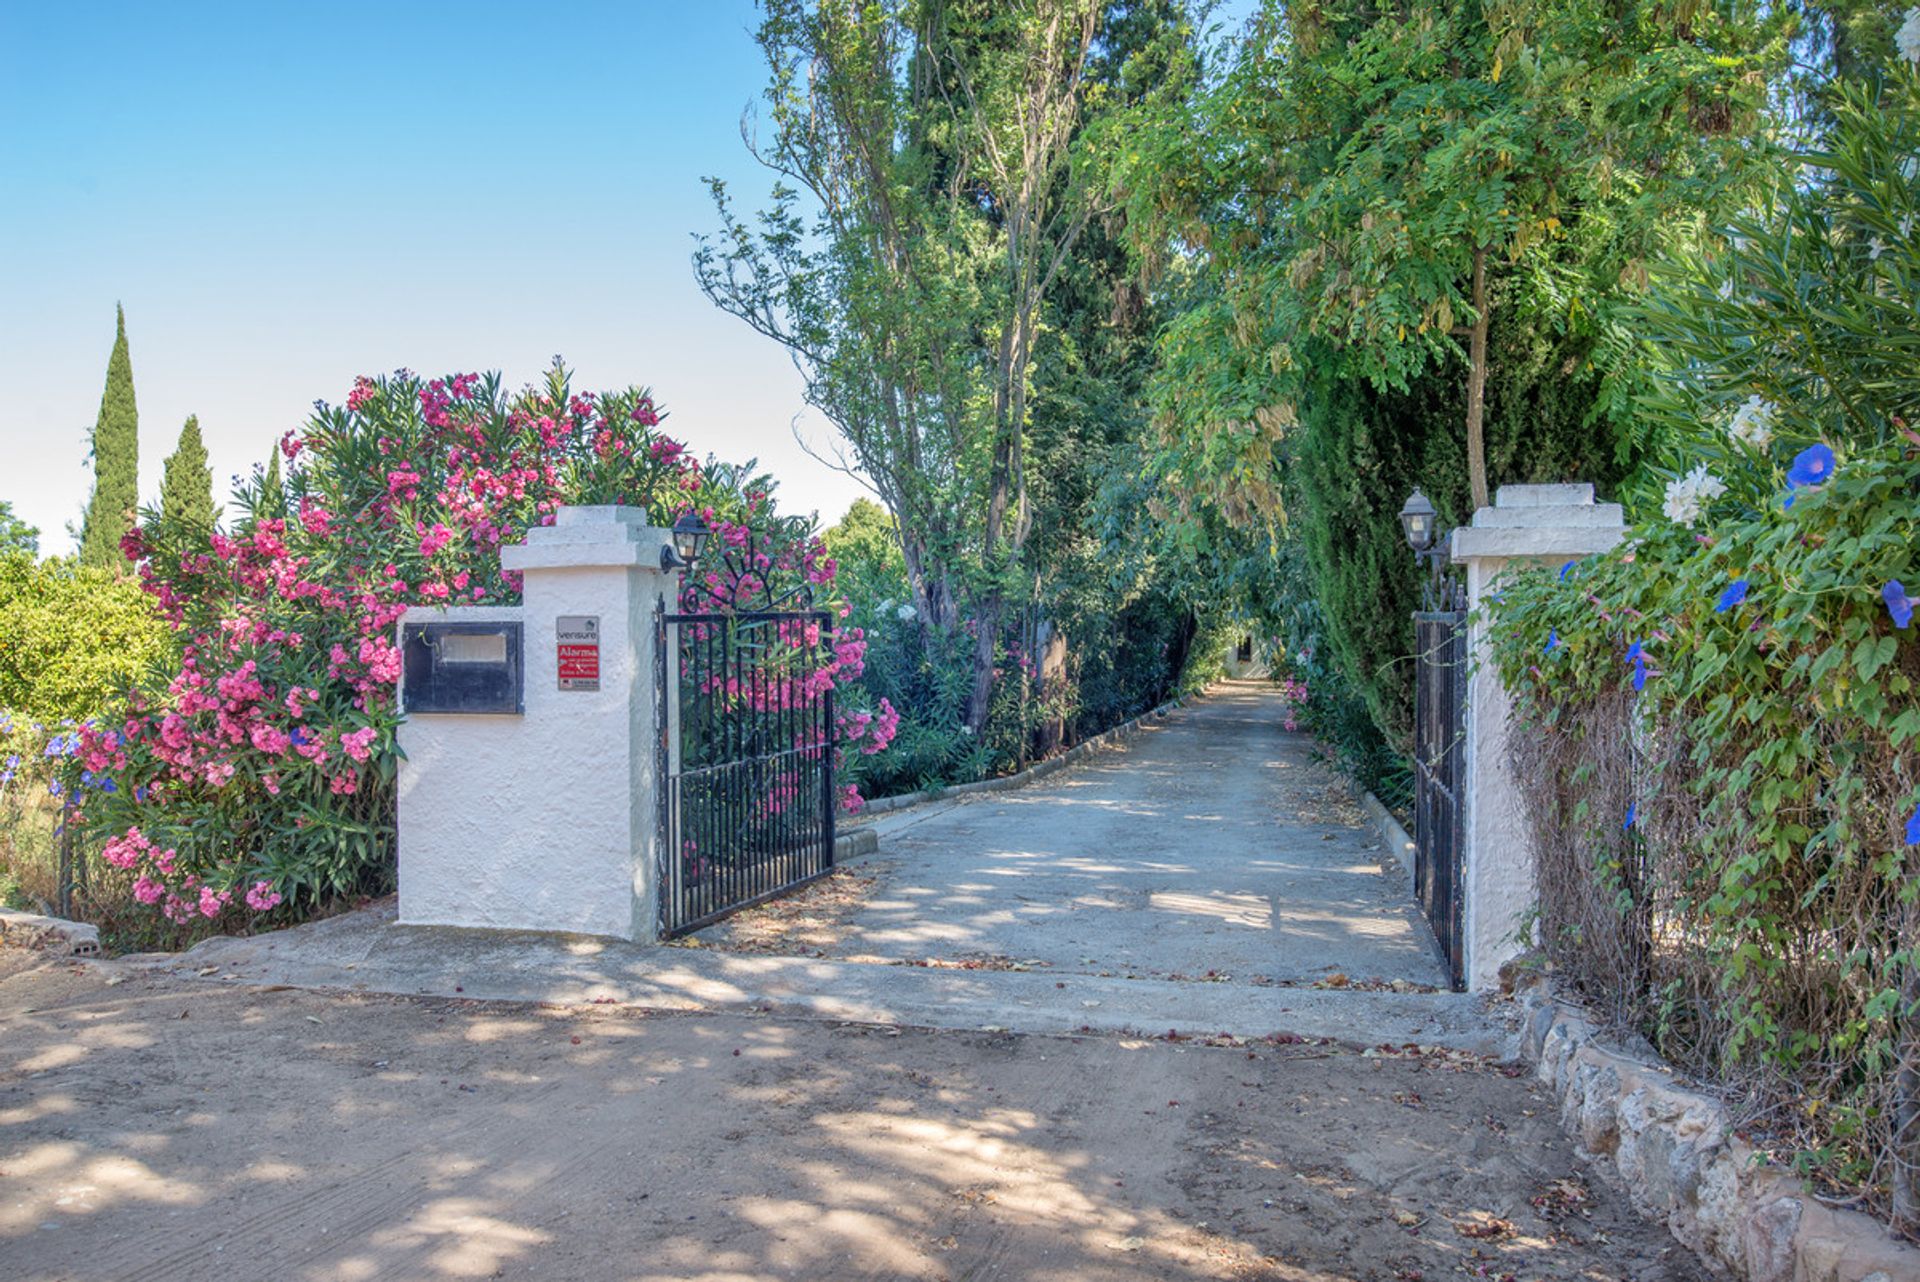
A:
[1527,524]
[1245,668]
[547,821]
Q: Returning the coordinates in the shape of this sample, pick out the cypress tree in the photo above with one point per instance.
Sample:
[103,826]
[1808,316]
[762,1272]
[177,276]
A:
[186,488]
[116,460]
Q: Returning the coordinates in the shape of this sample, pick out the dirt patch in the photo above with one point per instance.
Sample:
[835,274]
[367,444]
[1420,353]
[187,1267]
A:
[165,1129]
[809,922]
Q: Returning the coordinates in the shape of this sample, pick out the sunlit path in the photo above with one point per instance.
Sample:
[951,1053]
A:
[1210,846]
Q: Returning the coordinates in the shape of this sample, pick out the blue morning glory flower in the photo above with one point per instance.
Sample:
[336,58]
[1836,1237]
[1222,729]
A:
[1899,604]
[1913,827]
[1811,466]
[6,776]
[1736,593]
[1633,812]
[1553,640]
[108,785]
[86,778]
[298,735]
[1567,569]
[54,787]
[140,793]
[1640,674]
[13,761]
[1633,653]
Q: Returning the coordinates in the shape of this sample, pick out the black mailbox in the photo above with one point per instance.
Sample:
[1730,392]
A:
[461,667]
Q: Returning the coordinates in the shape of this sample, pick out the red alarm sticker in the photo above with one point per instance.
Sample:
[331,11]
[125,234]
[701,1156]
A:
[577,644]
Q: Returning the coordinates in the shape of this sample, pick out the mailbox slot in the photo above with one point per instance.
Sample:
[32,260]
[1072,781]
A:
[461,668]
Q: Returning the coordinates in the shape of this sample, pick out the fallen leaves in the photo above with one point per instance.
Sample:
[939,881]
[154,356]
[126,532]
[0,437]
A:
[1484,1226]
[1566,1196]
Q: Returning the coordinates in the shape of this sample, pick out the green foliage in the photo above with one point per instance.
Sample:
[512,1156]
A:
[1360,451]
[15,534]
[1408,239]
[1757,907]
[186,487]
[72,638]
[116,461]
[934,291]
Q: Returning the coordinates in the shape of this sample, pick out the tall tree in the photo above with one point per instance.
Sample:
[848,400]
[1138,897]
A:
[1410,238]
[932,143]
[186,486]
[116,459]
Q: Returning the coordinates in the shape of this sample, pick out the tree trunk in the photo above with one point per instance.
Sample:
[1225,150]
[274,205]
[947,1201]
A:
[1477,383]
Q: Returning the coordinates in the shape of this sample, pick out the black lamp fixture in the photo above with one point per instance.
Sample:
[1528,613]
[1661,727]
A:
[1416,519]
[690,535]
[1421,524]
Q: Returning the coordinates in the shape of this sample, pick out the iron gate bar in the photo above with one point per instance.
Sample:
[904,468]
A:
[1439,762]
[739,823]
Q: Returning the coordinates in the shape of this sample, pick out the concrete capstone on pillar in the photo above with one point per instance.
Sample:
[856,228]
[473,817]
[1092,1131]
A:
[547,820]
[1529,524]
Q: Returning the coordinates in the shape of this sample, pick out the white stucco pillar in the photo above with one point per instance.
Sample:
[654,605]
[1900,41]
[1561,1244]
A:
[546,819]
[1529,524]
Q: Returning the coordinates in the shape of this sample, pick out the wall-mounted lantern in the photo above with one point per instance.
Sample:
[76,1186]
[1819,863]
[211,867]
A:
[690,535]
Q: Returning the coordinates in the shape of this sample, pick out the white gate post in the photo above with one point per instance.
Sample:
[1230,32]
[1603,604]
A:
[548,820]
[1530,524]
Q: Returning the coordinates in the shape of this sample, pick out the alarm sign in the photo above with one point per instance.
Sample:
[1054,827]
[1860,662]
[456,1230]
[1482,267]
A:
[577,637]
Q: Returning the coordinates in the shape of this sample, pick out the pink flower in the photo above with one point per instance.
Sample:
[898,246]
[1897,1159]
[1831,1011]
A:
[147,890]
[262,896]
[211,902]
[357,743]
[270,740]
[435,539]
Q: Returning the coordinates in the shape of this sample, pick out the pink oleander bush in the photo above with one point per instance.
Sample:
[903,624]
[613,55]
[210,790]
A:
[254,771]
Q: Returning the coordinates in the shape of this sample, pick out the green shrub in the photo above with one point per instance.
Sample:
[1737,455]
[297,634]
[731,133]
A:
[72,639]
[1719,724]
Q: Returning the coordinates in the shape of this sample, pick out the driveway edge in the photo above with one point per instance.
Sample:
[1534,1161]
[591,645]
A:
[1675,1153]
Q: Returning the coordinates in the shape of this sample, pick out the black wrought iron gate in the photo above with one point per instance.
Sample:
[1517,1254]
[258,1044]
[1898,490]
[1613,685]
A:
[1439,766]
[746,759]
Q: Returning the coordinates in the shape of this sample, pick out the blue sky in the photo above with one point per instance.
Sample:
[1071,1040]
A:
[284,196]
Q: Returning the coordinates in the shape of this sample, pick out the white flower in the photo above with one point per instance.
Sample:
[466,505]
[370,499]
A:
[1726,289]
[1908,37]
[1689,494]
[1752,424]
[966,729]
[1906,227]
[1875,248]
[905,612]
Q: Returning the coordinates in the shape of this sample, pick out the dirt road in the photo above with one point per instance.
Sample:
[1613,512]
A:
[160,1129]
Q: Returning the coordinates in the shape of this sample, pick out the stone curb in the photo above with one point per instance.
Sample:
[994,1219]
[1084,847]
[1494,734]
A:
[51,934]
[855,843]
[1390,830]
[1039,770]
[1675,1154]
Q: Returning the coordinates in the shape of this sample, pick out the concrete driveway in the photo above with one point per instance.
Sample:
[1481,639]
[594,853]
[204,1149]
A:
[1209,846]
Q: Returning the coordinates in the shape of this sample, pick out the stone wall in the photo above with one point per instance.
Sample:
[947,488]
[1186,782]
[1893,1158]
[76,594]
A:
[1674,1153]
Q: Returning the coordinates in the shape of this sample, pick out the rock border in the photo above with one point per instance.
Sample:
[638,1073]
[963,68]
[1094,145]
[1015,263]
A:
[1039,770]
[48,934]
[1675,1154]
